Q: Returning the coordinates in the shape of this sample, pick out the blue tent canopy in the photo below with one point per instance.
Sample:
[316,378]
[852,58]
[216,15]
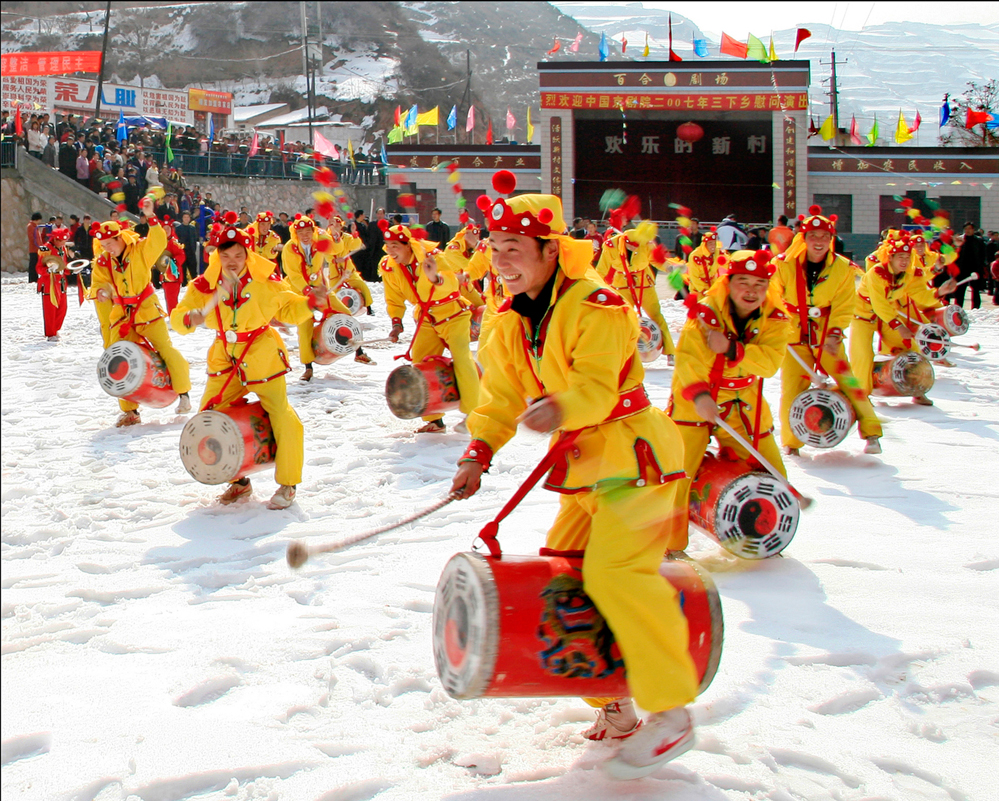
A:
[152,122]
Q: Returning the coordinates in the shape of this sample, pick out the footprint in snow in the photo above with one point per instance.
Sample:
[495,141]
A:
[207,691]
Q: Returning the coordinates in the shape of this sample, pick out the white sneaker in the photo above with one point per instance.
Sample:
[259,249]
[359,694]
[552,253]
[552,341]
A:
[283,498]
[665,736]
[462,427]
[873,446]
[616,720]
[184,404]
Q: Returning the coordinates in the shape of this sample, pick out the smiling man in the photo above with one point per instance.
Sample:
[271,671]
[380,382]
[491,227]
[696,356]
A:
[562,358]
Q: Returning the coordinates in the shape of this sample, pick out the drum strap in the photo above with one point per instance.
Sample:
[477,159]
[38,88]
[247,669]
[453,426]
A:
[131,305]
[236,362]
[640,293]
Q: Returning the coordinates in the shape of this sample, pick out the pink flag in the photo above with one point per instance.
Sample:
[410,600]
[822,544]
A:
[255,144]
[325,146]
[800,36]
[511,123]
[555,47]
[917,123]
[855,132]
[470,119]
[574,47]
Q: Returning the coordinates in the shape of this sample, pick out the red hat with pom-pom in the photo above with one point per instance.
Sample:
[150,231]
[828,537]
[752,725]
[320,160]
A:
[226,231]
[755,263]
[107,230]
[395,233]
[901,244]
[301,221]
[816,222]
[265,216]
[537,216]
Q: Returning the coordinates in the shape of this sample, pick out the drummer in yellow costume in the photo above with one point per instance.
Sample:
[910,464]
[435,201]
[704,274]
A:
[819,290]
[562,358]
[416,272]
[238,296]
[463,246]
[126,303]
[705,264]
[480,267]
[737,336]
[304,258]
[343,272]
[626,262]
[885,308]
[266,243]
[925,265]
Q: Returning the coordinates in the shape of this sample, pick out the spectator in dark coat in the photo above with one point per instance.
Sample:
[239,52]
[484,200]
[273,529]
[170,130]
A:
[437,230]
[375,247]
[67,157]
[971,259]
[187,236]
[132,195]
[82,243]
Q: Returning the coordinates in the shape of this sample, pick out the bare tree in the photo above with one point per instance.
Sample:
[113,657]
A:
[977,97]
[131,39]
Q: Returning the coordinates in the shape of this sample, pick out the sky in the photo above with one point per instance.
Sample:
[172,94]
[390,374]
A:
[743,18]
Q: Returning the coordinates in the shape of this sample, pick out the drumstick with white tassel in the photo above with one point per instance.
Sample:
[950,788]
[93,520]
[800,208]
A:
[818,380]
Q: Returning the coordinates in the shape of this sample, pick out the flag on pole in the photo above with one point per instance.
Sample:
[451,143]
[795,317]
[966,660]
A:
[555,47]
[255,144]
[122,133]
[672,56]
[384,154]
[624,46]
[452,118]
[470,119]
[902,134]
[412,116]
[603,51]
[773,53]
[350,153]
[701,48]
[800,36]
[395,135]
[489,133]
[211,126]
[530,128]
[731,47]
[169,134]
[326,148]
[872,135]
[18,125]
[916,123]
[978,118]
[431,117]
[945,111]
[855,132]
[756,50]
[574,47]
[828,129]
[645,52]
[511,122]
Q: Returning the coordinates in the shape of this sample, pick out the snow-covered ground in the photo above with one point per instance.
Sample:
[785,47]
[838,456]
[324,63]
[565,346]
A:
[156,646]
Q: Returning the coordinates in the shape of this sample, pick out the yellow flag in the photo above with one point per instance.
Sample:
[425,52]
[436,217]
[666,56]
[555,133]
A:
[427,117]
[902,134]
[773,53]
[530,128]
[350,152]
[828,129]
[645,52]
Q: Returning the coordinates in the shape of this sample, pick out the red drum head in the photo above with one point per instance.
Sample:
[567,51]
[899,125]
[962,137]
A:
[954,319]
[341,334]
[757,516]
[933,342]
[650,340]
[821,418]
[352,299]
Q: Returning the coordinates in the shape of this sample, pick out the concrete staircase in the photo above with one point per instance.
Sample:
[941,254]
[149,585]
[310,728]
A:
[54,189]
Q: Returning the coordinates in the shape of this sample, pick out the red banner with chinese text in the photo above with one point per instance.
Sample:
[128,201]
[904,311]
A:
[50,63]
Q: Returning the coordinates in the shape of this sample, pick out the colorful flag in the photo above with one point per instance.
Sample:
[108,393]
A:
[828,129]
[394,136]
[645,52]
[756,50]
[350,153]
[555,47]
[384,154]
[325,147]
[18,125]
[431,117]
[511,122]
[977,118]
[530,128]
[872,135]
[603,50]
[489,133]
[169,135]
[803,33]
[773,53]
[412,116]
[916,123]
[812,127]
[574,47]
[211,127]
[452,118]
[945,111]
[624,46]
[255,144]
[902,134]
[855,132]
[730,47]
[672,56]
[398,116]
[470,119]
[122,133]
[701,48]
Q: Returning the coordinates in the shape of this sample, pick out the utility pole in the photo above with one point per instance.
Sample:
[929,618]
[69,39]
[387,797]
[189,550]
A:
[467,94]
[104,53]
[306,62]
[833,94]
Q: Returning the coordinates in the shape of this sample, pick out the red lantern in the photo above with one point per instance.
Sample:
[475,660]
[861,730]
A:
[690,132]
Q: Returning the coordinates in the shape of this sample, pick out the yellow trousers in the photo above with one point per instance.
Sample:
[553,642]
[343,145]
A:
[305,352]
[455,335]
[622,532]
[794,380]
[358,284]
[471,294]
[289,433]
[653,309]
[695,444]
[862,349]
[158,336]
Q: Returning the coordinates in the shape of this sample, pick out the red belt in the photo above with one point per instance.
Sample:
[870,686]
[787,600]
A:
[806,311]
[737,383]
[631,402]
[134,300]
[241,336]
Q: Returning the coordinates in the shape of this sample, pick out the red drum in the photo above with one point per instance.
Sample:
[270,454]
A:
[907,375]
[418,390]
[352,299]
[650,340]
[336,336]
[933,342]
[135,373]
[821,417]
[522,626]
[953,319]
[477,313]
[748,512]
[217,447]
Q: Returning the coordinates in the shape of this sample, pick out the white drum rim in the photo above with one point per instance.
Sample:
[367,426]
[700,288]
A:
[963,324]
[897,367]
[652,349]
[336,321]
[131,352]
[932,331]
[351,293]
[731,543]
[424,386]
[480,674]
[831,399]
[191,437]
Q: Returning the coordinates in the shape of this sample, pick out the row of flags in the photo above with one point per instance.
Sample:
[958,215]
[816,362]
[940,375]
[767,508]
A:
[409,123]
[903,131]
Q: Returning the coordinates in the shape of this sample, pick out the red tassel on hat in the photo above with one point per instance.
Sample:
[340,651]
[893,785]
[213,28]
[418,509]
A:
[504,182]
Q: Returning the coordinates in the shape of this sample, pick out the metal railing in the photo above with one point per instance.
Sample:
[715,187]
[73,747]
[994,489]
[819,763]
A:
[241,165]
[7,149]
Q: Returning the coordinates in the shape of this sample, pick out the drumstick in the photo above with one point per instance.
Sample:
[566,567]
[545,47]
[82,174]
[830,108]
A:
[973,346]
[972,277]
[803,500]
[816,378]
[298,552]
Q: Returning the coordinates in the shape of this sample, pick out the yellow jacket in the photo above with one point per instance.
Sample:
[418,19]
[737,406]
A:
[922,293]
[758,354]
[585,359]
[341,264]
[128,279]
[480,265]
[268,245]
[263,296]
[301,276]
[834,295]
[884,296]
[703,268]
[616,266]
[407,283]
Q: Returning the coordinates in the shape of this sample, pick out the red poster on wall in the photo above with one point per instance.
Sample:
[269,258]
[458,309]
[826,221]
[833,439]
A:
[50,63]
